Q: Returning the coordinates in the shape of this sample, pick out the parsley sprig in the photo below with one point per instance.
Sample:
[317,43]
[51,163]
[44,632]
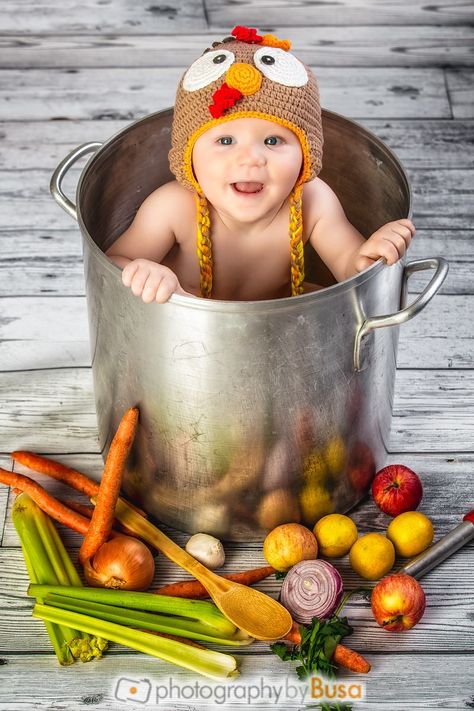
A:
[318,642]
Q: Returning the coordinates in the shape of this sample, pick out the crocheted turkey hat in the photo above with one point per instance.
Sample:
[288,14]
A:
[247,75]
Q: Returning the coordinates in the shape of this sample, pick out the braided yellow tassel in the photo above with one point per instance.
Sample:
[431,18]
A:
[296,241]
[204,247]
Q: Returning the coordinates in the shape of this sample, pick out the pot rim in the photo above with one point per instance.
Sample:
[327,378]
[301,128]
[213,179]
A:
[285,302]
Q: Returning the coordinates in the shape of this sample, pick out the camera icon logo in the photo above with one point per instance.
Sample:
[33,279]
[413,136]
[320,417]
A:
[133,690]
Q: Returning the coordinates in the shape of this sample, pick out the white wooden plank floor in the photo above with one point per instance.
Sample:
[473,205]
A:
[71,73]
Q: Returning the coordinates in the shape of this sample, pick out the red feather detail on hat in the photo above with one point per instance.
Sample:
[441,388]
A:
[246,34]
[224,98]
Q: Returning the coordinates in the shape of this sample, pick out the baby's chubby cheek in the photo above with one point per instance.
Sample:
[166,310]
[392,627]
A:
[207,171]
[215,187]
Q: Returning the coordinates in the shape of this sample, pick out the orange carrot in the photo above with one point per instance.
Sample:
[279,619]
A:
[56,470]
[76,506]
[196,590]
[73,478]
[343,656]
[45,501]
[103,516]
[349,659]
[294,634]
[87,511]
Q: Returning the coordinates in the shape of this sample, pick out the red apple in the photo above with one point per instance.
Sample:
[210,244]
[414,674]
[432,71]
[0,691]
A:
[397,489]
[398,602]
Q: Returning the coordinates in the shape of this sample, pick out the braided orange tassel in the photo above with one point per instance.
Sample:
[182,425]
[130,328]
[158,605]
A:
[296,241]
[204,247]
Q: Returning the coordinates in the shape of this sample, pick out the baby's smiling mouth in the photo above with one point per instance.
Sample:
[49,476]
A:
[247,187]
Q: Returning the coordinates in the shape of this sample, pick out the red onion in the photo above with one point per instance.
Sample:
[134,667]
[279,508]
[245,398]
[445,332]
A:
[312,588]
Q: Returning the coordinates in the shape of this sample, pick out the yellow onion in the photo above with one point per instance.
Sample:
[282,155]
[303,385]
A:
[123,562]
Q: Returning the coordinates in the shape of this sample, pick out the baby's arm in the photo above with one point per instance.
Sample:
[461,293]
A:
[151,237]
[343,249]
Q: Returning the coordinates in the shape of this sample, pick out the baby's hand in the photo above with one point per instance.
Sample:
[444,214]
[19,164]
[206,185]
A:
[151,281]
[390,242]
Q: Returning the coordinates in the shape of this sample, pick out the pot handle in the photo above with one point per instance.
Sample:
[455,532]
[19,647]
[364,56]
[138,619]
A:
[55,185]
[406,313]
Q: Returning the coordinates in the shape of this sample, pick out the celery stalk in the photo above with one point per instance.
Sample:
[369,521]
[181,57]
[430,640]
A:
[55,632]
[65,564]
[52,552]
[47,562]
[28,519]
[215,665]
[179,626]
[206,612]
[71,574]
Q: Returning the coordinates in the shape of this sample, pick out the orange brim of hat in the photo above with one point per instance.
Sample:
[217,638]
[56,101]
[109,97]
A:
[188,166]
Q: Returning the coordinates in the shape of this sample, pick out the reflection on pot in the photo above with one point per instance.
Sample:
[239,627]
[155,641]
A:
[335,456]
[277,507]
[361,467]
[212,519]
[281,465]
[315,502]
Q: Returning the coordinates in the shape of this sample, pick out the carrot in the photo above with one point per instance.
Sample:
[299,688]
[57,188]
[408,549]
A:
[109,489]
[56,470]
[294,634]
[45,501]
[76,506]
[196,590]
[343,656]
[87,511]
[349,659]
[73,478]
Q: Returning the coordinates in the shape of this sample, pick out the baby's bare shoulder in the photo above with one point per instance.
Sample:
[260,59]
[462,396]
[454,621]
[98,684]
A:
[180,205]
[171,195]
[321,196]
[320,203]
[155,228]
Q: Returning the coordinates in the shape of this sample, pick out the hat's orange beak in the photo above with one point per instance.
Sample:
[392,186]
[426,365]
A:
[244,77]
[241,79]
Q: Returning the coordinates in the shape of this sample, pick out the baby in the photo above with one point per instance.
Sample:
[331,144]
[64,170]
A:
[246,151]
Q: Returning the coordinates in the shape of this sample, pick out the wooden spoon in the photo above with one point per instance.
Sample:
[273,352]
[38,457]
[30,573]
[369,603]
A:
[254,612]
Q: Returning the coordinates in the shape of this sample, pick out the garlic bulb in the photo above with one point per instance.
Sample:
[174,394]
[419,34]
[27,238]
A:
[207,550]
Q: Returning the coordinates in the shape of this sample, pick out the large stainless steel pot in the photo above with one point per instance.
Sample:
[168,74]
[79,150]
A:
[251,413]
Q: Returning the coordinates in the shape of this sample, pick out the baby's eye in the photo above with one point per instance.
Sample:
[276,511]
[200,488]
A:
[227,139]
[273,140]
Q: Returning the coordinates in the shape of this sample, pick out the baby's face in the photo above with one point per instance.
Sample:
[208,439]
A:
[247,150]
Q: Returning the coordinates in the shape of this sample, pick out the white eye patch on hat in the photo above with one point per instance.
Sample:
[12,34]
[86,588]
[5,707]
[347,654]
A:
[274,63]
[280,66]
[209,67]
